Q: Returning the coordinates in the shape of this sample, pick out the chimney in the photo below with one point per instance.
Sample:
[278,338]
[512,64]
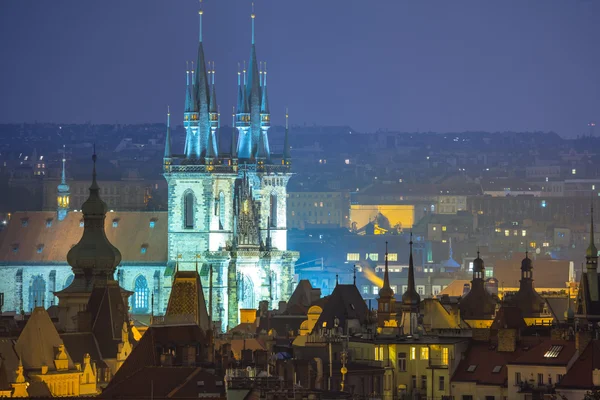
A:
[166,360]
[582,338]
[596,377]
[84,321]
[507,340]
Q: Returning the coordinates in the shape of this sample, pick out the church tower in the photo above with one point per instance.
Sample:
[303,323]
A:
[228,209]
[63,193]
[386,303]
[411,300]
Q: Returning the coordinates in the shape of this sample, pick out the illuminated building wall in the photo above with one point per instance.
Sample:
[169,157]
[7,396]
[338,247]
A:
[386,217]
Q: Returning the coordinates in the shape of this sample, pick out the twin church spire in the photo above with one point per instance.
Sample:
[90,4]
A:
[252,118]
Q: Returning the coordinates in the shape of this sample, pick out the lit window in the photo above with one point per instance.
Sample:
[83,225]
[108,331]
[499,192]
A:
[140,295]
[152,223]
[143,249]
[115,223]
[373,256]
[543,204]
[353,257]
[375,289]
[365,289]
[421,290]
[394,288]
[81,224]
[434,228]
[443,229]
[553,352]
[444,356]
[523,233]
[506,232]
[573,171]
[413,353]
[424,353]
[392,256]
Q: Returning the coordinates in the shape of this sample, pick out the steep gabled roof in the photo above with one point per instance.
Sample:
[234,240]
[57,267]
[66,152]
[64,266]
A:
[345,303]
[110,322]
[38,342]
[146,353]
[187,300]
[580,374]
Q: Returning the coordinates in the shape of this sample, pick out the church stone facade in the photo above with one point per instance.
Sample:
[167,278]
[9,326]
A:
[226,218]
[227,208]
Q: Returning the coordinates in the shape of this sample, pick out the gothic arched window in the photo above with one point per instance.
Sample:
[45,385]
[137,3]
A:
[188,205]
[273,211]
[221,210]
[140,295]
[37,292]
[69,281]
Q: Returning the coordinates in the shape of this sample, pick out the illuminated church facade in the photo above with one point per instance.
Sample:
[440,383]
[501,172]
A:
[226,216]
[227,208]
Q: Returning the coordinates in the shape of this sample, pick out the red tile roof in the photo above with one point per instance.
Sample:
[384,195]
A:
[57,237]
[538,355]
[485,357]
[580,374]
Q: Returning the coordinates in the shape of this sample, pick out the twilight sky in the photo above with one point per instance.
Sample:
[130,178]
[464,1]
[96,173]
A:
[428,65]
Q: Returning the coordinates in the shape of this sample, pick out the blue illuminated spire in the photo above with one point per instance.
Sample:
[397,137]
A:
[233,147]
[240,97]
[264,105]
[213,94]
[167,155]
[188,90]
[63,195]
[253,93]
[286,141]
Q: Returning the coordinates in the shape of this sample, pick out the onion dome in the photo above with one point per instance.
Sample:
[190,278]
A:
[94,255]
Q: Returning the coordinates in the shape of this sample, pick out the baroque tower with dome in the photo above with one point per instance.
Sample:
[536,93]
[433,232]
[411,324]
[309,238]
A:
[227,207]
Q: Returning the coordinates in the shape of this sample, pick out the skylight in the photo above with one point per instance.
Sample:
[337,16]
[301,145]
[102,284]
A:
[472,368]
[553,352]
[497,369]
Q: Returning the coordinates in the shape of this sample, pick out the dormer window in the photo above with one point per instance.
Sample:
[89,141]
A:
[40,248]
[24,222]
[143,249]
[81,223]
[15,247]
[115,223]
[48,222]
[152,222]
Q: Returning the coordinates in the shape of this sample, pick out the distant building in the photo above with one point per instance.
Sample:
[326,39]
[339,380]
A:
[323,208]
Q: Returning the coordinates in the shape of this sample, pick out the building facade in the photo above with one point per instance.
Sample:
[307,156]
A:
[227,209]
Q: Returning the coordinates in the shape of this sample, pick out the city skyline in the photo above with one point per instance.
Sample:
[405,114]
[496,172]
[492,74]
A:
[408,67]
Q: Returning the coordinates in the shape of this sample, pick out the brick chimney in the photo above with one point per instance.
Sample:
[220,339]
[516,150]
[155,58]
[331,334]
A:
[507,340]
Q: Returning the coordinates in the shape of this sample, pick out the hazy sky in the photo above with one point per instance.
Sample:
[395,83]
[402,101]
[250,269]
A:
[439,65]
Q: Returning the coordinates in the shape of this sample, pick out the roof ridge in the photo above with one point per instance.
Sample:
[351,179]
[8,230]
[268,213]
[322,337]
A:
[185,382]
